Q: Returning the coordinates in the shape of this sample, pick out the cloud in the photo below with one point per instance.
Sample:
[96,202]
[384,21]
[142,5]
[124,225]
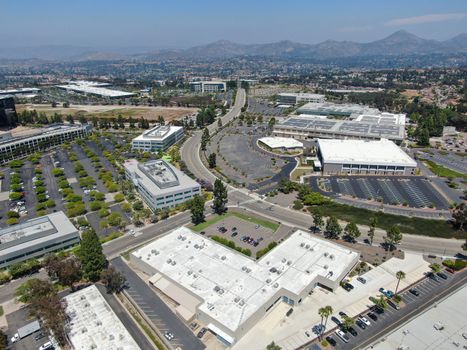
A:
[436,17]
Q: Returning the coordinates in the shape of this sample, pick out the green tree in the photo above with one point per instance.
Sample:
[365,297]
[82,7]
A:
[318,221]
[197,209]
[352,231]
[220,197]
[273,346]
[371,231]
[459,215]
[92,259]
[435,268]
[393,236]
[119,197]
[348,322]
[380,302]
[66,270]
[212,160]
[113,280]
[333,228]
[204,139]
[400,275]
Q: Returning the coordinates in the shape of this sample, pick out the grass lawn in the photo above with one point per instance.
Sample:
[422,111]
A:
[441,170]
[1,310]
[265,223]
[410,225]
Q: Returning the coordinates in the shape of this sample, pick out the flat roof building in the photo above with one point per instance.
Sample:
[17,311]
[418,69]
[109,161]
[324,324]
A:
[208,86]
[290,98]
[336,109]
[364,157]
[281,144]
[36,237]
[230,292]
[93,324]
[39,139]
[160,184]
[158,138]
[360,126]
[94,88]
[21,92]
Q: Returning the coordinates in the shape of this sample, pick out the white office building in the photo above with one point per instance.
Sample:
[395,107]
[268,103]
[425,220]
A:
[160,184]
[93,324]
[36,237]
[15,145]
[291,98]
[158,138]
[382,157]
[229,292]
[208,86]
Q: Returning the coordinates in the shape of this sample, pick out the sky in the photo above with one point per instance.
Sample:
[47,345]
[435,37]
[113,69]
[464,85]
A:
[186,23]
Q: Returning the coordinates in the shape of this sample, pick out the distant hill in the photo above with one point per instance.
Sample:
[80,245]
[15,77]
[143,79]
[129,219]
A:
[399,43]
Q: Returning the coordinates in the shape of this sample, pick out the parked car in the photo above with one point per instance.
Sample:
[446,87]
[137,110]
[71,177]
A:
[331,341]
[387,293]
[342,335]
[364,320]
[372,316]
[442,275]
[202,332]
[46,346]
[450,270]
[39,336]
[414,292]
[169,336]
[393,304]
[336,320]
[343,314]
[360,324]
[352,331]
[361,279]
[347,286]
[432,276]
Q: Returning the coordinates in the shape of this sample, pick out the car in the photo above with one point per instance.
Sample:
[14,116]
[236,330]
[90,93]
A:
[377,309]
[387,293]
[203,232]
[347,286]
[372,316]
[318,329]
[202,332]
[432,276]
[46,346]
[414,292]
[343,314]
[342,335]
[234,234]
[450,270]
[364,320]
[331,341]
[361,280]
[360,324]
[352,331]
[442,275]
[14,338]
[307,334]
[336,320]
[168,335]
[234,228]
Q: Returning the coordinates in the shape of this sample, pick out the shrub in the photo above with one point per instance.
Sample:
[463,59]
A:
[40,189]
[16,187]
[115,219]
[41,197]
[297,205]
[138,205]
[50,203]
[40,206]
[126,207]
[103,213]
[41,213]
[12,214]
[457,264]
[12,221]
[96,195]
[23,268]
[15,196]
[119,197]
[95,205]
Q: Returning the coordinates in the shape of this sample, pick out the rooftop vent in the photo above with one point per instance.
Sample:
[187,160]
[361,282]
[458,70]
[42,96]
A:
[331,257]
[268,280]
[243,268]
[275,285]
[326,267]
[111,337]
[289,262]
[223,257]
[221,291]
[272,269]
[242,302]
[307,246]
[302,244]
[312,249]
[326,254]
[189,272]
[217,288]
[169,261]
[98,323]
[196,246]
[284,260]
[236,299]
[174,263]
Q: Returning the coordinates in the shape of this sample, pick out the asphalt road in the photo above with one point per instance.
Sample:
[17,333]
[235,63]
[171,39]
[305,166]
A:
[156,309]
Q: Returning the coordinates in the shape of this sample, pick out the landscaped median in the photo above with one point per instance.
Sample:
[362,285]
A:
[442,171]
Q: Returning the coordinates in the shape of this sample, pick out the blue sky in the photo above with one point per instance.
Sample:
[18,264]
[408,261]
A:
[184,23]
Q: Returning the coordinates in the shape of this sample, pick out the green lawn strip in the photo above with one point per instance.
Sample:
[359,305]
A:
[410,225]
[442,171]
[265,223]
[1,310]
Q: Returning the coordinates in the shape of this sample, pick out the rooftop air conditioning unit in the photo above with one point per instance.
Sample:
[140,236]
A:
[223,257]
[326,267]
[331,257]
[275,285]
[307,246]
[289,262]
[302,244]
[326,254]
[268,280]
[169,261]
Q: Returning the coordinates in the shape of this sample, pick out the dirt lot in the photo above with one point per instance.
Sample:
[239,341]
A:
[149,113]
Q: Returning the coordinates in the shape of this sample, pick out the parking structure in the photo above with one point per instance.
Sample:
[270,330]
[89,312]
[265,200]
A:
[411,191]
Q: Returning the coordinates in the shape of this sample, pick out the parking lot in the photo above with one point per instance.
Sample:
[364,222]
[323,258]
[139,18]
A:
[265,107]
[415,192]
[246,234]
[19,319]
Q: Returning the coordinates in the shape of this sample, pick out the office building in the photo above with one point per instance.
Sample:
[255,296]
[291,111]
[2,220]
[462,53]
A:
[93,324]
[8,117]
[36,237]
[360,126]
[19,143]
[208,86]
[336,109]
[382,157]
[281,144]
[21,92]
[160,184]
[289,98]
[94,88]
[229,292]
[158,138]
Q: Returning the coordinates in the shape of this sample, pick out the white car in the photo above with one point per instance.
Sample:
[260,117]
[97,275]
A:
[364,320]
[169,335]
[46,346]
[15,338]
[342,335]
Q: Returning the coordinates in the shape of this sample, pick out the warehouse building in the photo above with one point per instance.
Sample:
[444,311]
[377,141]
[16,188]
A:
[336,109]
[160,184]
[351,157]
[362,126]
[280,144]
[158,138]
[19,143]
[208,86]
[36,237]
[21,92]
[93,324]
[290,98]
[94,88]
[229,292]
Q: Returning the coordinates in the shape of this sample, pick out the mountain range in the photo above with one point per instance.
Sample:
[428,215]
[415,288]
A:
[399,43]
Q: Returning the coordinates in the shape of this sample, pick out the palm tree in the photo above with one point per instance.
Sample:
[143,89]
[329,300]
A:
[327,312]
[400,275]
[322,312]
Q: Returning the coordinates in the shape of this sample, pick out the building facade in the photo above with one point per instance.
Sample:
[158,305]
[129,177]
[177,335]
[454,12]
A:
[357,157]
[294,98]
[208,86]
[36,237]
[40,139]
[158,138]
[160,184]
[8,117]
